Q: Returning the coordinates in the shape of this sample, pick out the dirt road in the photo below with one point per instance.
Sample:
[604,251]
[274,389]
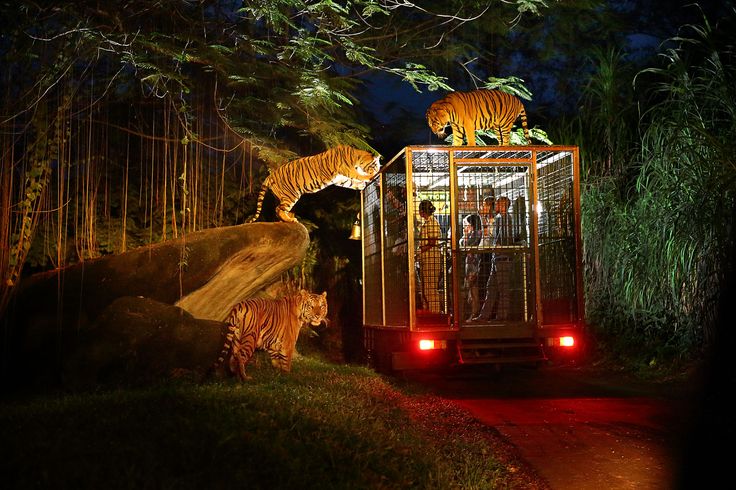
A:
[579,428]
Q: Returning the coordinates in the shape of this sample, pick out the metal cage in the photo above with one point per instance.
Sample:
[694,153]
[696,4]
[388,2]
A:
[498,259]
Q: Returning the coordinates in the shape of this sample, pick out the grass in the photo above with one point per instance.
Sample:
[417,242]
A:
[322,426]
[657,153]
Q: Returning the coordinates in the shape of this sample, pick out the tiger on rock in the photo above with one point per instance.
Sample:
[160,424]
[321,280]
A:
[342,165]
[467,112]
[269,324]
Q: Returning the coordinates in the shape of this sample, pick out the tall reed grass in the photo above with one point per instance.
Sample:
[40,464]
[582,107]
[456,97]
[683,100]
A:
[656,232]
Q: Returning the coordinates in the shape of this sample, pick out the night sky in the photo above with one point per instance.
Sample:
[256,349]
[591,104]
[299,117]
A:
[395,107]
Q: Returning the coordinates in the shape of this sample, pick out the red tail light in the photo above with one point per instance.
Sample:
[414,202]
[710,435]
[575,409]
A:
[567,341]
[430,344]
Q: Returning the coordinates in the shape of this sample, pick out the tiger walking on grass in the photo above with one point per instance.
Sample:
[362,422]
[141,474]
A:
[269,324]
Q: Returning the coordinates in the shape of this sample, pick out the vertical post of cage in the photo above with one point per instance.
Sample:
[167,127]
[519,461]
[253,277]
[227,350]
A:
[382,225]
[410,245]
[362,249]
[535,240]
[453,241]
[578,234]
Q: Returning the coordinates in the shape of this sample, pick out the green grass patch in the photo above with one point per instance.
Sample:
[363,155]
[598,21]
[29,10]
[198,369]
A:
[322,426]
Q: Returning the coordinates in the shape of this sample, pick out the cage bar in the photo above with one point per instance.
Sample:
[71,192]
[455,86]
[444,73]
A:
[485,283]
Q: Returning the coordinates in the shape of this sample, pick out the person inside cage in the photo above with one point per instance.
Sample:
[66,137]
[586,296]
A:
[395,237]
[430,258]
[395,216]
[487,215]
[472,235]
[497,298]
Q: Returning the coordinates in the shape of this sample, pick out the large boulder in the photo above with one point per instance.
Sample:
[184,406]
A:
[250,269]
[139,340]
[200,276]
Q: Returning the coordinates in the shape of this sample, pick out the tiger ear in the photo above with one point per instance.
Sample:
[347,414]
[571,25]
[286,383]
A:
[324,294]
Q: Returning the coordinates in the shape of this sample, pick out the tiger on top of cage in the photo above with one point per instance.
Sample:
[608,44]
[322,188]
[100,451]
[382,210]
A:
[466,112]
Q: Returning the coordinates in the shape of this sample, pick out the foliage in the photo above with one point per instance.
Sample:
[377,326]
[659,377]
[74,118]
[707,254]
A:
[123,127]
[512,85]
[268,66]
[611,112]
[656,254]
[169,110]
[688,165]
[43,149]
[321,426]
[486,137]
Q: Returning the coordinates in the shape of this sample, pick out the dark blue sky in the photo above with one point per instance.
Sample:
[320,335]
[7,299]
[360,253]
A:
[399,110]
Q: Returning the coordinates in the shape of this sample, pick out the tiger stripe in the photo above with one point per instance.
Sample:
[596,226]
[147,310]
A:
[342,165]
[269,324]
[466,112]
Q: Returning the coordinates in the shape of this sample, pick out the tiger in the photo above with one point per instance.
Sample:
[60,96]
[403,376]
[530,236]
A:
[342,165]
[467,112]
[269,324]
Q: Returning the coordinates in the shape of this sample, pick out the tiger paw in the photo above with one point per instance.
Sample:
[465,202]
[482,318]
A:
[286,216]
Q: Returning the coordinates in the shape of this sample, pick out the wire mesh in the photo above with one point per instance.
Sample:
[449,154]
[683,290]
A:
[487,262]
[431,211]
[396,252]
[495,284]
[372,272]
[557,257]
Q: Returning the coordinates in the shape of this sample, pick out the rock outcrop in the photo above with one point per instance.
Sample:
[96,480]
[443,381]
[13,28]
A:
[188,284]
[137,341]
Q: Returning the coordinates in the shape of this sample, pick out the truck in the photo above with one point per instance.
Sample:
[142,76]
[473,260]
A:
[532,280]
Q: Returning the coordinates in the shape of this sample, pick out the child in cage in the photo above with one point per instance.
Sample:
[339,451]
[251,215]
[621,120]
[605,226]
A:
[472,235]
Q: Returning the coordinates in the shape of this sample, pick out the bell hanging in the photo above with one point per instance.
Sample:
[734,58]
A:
[355,232]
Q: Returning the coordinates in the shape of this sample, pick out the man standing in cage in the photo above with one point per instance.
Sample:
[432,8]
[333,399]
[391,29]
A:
[472,235]
[487,213]
[430,258]
[496,303]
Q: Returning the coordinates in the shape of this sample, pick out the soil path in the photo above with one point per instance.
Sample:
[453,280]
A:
[579,428]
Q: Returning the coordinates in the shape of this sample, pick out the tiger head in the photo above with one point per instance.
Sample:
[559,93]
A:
[438,118]
[366,163]
[313,307]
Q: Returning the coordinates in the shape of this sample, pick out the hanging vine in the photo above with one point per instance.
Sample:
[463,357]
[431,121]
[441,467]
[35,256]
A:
[42,152]
[151,127]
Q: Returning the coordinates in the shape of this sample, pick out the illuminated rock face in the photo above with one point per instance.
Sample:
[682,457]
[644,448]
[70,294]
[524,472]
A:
[101,303]
[273,249]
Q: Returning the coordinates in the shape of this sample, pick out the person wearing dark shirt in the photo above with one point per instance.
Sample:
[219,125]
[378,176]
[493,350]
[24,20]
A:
[472,235]
[497,299]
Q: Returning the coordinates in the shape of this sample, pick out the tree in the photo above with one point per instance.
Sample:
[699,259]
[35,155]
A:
[127,126]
